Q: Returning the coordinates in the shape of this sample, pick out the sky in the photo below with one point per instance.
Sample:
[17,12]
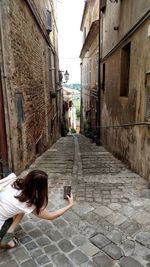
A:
[70,37]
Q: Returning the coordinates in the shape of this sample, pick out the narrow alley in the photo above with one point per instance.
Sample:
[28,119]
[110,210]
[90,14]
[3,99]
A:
[109,224]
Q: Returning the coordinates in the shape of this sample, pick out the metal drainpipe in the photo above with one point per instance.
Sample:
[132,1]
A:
[99,85]
[4,86]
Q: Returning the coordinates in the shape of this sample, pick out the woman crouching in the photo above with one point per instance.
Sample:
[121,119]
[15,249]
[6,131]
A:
[25,195]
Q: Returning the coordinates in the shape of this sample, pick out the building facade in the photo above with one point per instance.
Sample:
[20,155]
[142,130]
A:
[124,79]
[29,84]
[69,110]
[89,67]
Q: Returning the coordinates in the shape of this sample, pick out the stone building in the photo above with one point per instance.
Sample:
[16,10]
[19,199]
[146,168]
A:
[69,111]
[89,66]
[29,84]
[124,78]
[125,81]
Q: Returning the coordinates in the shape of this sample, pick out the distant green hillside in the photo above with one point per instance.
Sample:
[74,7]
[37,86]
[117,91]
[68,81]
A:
[75,86]
[76,96]
[76,102]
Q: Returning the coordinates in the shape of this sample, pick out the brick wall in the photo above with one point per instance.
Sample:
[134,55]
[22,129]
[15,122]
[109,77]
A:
[27,68]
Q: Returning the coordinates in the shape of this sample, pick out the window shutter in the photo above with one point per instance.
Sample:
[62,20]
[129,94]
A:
[102,5]
[50,69]
[49,21]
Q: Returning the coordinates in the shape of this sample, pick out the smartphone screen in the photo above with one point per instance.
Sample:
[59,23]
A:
[67,191]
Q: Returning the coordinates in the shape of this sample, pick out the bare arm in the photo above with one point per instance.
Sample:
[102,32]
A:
[44,214]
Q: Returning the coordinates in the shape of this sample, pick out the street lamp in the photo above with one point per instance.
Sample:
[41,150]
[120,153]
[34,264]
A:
[66,76]
[61,76]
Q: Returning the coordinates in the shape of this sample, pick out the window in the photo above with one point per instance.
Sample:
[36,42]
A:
[49,21]
[97,68]
[103,5]
[19,106]
[148,102]
[50,69]
[84,74]
[125,70]
[90,71]
[103,78]
[87,73]
[38,147]
[148,95]
[55,70]
[49,127]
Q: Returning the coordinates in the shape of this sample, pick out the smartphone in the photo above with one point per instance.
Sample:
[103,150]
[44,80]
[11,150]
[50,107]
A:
[67,191]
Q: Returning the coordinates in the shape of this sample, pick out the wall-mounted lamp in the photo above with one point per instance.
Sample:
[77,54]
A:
[66,76]
[61,75]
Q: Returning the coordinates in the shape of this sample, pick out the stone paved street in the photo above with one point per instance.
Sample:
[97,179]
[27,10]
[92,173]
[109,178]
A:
[109,225]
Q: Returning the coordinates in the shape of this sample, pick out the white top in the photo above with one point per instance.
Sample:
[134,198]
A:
[10,206]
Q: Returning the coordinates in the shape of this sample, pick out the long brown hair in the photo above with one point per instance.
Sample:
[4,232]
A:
[34,189]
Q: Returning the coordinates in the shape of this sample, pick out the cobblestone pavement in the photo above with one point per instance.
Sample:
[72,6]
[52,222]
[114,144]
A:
[109,225]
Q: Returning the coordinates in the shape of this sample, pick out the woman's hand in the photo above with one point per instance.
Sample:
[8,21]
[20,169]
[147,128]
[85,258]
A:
[70,200]
[44,214]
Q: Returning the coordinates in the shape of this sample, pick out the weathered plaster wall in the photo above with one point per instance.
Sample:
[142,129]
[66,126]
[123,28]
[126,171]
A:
[130,143]
[124,14]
